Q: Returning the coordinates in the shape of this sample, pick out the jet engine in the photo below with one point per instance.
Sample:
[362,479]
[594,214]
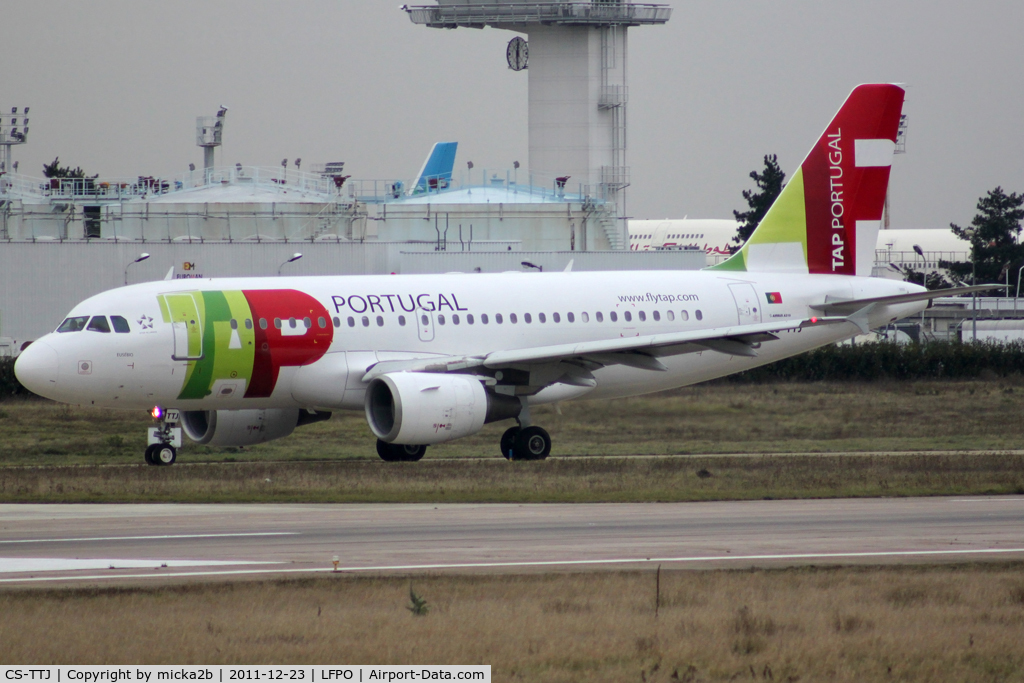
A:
[244,427]
[426,408]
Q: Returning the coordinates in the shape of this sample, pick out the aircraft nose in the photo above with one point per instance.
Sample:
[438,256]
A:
[36,369]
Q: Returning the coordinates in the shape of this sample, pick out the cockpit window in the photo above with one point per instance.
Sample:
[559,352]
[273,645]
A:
[120,324]
[98,324]
[73,324]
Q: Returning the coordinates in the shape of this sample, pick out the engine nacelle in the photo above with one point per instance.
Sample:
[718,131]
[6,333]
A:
[424,408]
[244,427]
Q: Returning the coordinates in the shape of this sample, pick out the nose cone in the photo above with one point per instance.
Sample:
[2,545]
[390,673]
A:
[36,369]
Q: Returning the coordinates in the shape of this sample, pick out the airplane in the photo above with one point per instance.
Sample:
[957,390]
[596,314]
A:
[896,249]
[432,358]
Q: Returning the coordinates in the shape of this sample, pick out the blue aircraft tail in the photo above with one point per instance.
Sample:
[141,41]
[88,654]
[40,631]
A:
[436,173]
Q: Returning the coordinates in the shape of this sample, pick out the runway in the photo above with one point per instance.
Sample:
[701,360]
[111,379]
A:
[112,544]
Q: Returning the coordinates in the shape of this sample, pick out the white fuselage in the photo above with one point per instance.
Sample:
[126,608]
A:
[371,319]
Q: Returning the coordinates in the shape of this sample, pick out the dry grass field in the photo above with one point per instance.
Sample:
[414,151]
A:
[961,623]
[704,419]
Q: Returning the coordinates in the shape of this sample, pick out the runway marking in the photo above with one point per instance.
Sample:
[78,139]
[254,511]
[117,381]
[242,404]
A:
[539,563]
[24,565]
[150,538]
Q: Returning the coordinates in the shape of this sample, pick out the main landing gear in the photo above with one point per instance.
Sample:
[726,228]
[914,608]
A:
[525,443]
[164,439]
[393,452]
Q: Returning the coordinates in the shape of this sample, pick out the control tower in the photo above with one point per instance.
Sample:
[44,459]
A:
[576,57]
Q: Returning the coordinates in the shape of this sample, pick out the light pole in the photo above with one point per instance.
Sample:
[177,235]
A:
[142,257]
[1018,288]
[295,257]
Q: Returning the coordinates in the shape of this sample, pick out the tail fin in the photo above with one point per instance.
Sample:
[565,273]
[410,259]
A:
[826,219]
[436,173]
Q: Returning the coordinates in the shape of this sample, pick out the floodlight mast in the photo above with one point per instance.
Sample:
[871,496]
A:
[209,135]
[13,131]
[575,129]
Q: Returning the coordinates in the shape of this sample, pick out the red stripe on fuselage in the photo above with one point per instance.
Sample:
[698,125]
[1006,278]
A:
[274,349]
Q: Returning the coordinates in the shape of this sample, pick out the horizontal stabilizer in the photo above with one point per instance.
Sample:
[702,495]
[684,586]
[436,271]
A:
[850,306]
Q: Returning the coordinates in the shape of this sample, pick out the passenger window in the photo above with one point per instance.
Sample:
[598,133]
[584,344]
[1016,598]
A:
[498,319]
[570,317]
[585,317]
[401,321]
[642,316]
[613,316]
[351,321]
[512,318]
[120,324]
[455,319]
[483,318]
[366,321]
[683,315]
[307,323]
[657,316]
[337,321]
[248,323]
[440,320]
[277,323]
[380,321]
[73,324]
[599,316]
[541,317]
[234,324]
[527,318]
[321,322]
[627,315]
[263,323]
[700,316]
[555,317]
[670,315]
[292,323]
[99,324]
[425,320]
[469,318]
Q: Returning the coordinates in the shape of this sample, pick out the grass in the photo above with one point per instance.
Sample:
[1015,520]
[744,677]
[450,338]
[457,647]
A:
[705,419]
[905,623]
[680,478]
[795,440]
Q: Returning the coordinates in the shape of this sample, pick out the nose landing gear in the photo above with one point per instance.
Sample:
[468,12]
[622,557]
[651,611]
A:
[164,439]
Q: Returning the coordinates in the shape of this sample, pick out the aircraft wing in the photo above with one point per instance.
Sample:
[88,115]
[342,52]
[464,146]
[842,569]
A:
[640,352]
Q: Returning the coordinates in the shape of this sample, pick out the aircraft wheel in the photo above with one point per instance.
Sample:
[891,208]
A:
[151,454]
[410,453]
[394,452]
[533,443]
[386,451]
[508,442]
[164,454]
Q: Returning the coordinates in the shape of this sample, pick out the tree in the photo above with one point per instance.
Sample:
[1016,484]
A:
[769,183]
[994,234]
[55,170]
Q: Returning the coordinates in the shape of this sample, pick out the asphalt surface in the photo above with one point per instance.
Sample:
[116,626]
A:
[112,544]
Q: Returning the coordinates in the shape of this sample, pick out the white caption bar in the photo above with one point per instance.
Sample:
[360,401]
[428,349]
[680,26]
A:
[362,673]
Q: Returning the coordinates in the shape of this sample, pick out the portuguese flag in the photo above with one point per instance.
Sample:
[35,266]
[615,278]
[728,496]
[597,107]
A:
[774,297]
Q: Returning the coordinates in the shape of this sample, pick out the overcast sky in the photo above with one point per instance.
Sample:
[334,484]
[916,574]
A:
[115,86]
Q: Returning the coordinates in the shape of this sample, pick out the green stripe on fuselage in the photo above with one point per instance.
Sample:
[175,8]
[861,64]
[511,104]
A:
[222,359]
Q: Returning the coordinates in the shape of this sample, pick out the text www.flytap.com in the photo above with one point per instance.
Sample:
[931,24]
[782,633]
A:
[657,298]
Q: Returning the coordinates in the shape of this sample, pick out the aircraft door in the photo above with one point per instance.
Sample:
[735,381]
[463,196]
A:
[748,307]
[425,325]
[187,326]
